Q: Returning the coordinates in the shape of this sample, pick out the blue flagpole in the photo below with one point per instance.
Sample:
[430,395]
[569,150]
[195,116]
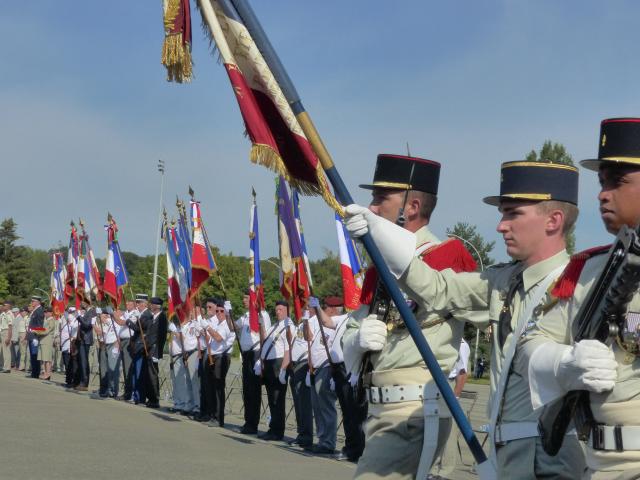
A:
[271,57]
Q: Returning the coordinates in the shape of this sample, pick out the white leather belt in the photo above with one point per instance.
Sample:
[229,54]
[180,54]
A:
[617,438]
[395,393]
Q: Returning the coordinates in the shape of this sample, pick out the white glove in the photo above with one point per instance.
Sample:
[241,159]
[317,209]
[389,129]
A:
[314,302]
[396,244]
[305,315]
[555,369]
[203,323]
[372,335]
[282,376]
[173,328]
[257,368]
[587,365]
[227,305]
[307,379]
[353,379]
[332,385]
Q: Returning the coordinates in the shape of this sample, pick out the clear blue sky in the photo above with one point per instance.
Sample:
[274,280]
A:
[86,111]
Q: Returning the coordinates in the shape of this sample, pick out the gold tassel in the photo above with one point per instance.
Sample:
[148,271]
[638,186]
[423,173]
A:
[266,156]
[176,55]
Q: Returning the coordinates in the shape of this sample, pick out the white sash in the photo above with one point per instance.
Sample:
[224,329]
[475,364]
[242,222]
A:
[496,404]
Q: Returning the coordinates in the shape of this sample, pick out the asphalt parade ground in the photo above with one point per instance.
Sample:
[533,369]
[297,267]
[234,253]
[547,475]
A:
[52,433]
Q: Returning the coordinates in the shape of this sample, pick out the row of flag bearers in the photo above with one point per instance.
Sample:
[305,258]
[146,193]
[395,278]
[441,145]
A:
[302,348]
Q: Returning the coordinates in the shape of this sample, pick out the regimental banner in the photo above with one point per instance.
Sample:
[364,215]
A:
[177,283]
[278,141]
[115,273]
[58,281]
[294,283]
[72,265]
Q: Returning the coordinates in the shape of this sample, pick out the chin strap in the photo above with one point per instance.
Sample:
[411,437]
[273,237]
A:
[401,220]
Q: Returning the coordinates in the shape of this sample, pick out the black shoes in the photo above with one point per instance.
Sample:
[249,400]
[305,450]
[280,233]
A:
[341,456]
[201,418]
[270,436]
[319,450]
[153,405]
[248,430]
[301,443]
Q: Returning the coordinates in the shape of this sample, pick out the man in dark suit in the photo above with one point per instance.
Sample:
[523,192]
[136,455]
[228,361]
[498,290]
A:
[140,345]
[36,320]
[84,340]
[156,330]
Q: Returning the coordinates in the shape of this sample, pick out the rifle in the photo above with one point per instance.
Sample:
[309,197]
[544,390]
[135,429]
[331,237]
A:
[601,317]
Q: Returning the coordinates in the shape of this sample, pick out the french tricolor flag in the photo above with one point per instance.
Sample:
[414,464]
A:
[350,266]
[202,263]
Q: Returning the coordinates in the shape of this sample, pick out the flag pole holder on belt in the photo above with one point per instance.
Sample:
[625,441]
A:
[266,49]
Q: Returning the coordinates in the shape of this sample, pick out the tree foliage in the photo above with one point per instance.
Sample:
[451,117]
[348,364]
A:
[23,270]
[474,242]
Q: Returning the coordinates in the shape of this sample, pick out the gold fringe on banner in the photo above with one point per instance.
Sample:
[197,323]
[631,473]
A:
[266,156]
[176,53]
[176,56]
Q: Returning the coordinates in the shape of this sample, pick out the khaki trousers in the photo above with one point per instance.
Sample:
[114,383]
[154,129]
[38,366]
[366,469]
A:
[631,474]
[25,358]
[5,350]
[394,443]
[526,459]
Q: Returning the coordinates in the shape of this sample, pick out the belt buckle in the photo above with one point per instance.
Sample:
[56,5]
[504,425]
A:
[597,436]
[370,394]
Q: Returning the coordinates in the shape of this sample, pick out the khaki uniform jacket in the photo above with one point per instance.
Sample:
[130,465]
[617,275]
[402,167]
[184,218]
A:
[400,351]
[468,295]
[6,320]
[46,337]
[617,407]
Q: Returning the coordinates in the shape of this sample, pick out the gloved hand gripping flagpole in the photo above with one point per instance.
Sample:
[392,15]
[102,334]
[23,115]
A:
[266,49]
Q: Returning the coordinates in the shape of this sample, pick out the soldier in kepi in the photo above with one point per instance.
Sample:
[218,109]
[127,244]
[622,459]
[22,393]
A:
[537,202]
[403,435]
[608,373]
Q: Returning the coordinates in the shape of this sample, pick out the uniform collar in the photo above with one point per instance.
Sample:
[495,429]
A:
[534,274]
[424,235]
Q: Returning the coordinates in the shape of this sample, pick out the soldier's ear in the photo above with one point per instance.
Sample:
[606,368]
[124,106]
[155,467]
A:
[555,221]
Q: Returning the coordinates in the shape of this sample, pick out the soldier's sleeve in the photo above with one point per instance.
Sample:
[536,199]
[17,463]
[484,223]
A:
[532,359]
[446,291]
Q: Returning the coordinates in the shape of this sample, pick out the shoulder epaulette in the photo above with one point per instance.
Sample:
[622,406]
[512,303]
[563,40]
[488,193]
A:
[566,284]
[449,254]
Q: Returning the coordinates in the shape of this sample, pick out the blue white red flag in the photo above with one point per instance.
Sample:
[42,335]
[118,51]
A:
[202,263]
[350,266]
[58,281]
[256,288]
[115,273]
[184,245]
[92,280]
[72,265]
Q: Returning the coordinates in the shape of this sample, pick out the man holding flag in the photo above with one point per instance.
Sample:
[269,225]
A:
[252,328]
[407,427]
